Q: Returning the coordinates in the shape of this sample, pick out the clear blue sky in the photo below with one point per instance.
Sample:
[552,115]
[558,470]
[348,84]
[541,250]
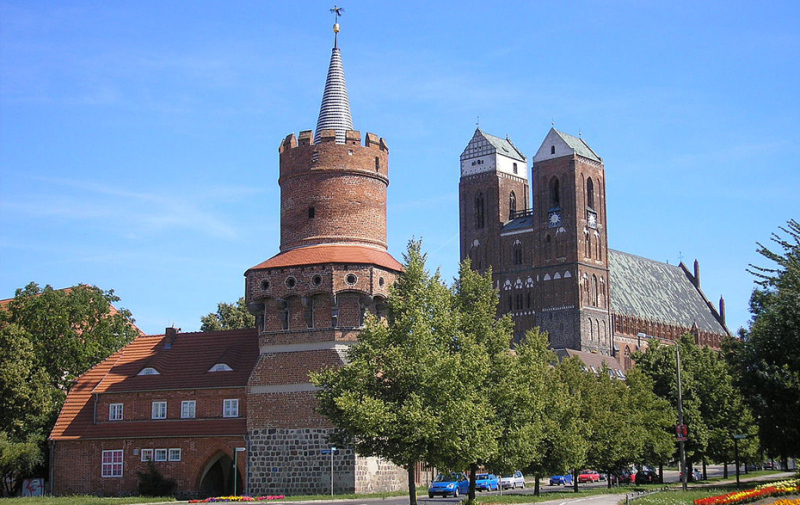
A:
[138,140]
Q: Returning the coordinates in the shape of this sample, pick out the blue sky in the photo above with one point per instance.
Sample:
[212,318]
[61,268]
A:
[138,140]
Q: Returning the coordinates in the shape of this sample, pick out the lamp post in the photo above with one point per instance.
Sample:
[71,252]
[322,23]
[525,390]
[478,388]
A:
[236,452]
[680,417]
[333,451]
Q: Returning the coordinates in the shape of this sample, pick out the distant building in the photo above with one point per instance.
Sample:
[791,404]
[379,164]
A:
[550,258]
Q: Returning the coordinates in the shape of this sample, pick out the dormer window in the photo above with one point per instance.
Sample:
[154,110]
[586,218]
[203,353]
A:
[220,367]
[149,371]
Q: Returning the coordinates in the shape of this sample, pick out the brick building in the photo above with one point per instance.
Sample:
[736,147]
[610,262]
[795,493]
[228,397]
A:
[547,244]
[248,392]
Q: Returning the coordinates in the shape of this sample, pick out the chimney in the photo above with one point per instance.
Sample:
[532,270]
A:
[171,334]
[722,310]
[697,274]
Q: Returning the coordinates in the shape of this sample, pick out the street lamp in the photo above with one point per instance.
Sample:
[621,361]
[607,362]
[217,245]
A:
[681,438]
[236,452]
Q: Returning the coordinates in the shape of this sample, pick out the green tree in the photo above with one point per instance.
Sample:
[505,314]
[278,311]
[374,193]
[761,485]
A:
[399,395]
[229,316]
[18,460]
[48,338]
[766,361]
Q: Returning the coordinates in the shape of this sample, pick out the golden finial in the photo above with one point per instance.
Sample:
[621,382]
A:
[336,11]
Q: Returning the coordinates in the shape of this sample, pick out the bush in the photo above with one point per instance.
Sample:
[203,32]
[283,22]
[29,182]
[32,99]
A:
[152,483]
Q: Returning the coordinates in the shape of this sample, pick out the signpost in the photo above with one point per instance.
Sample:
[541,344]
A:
[332,451]
[236,452]
[736,439]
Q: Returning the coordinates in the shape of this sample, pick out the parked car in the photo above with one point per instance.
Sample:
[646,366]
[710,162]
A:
[623,477]
[513,480]
[561,480]
[647,477]
[694,475]
[769,465]
[453,483]
[486,482]
[588,476]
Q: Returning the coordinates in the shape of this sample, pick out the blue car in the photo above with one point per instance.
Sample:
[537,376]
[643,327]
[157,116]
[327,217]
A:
[487,482]
[445,484]
[561,480]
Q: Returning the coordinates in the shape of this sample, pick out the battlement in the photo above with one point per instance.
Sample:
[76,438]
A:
[352,138]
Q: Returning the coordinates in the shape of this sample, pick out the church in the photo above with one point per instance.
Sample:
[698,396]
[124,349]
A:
[232,412]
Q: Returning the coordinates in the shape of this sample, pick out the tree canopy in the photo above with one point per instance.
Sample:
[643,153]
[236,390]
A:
[229,316]
[765,360]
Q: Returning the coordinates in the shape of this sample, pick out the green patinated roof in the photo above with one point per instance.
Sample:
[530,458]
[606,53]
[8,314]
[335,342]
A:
[659,292]
[578,145]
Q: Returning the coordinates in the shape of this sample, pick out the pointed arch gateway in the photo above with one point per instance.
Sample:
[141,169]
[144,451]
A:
[215,478]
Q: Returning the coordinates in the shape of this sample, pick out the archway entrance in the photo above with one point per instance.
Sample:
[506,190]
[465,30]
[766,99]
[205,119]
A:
[218,477]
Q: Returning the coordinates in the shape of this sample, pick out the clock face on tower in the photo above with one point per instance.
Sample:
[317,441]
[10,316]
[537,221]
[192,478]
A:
[554,219]
[592,220]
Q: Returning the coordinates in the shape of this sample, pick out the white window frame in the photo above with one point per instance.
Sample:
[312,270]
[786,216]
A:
[111,463]
[159,410]
[230,407]
[186,405]
[174,454]
[147,454]
[115,411]
[160,455]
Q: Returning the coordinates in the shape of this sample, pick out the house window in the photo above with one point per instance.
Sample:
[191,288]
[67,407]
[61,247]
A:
[512,205]
[160,455]
[159,410]
[147,454]
[174,454]
[188,409]
[112,463]
[115,412]
[230,408]
[479,208]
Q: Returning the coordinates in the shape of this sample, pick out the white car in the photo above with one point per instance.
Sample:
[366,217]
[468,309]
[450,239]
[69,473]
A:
[513,481]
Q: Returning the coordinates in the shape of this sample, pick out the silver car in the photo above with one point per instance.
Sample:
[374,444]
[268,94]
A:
[513,481]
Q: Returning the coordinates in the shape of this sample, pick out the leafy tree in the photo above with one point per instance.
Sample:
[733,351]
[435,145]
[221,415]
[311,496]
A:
[399,395]
[766,361]
[18,460]
[48,338]
[229,316]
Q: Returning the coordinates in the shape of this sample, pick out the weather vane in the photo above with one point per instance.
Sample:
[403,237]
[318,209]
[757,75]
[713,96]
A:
[336,11]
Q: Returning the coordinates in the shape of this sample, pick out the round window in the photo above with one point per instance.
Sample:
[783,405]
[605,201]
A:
[290,282]
[351,279]
[265,284]
[381,282]
[316,280]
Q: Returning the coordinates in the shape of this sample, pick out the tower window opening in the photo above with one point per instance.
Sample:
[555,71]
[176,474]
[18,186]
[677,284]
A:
[518,253]
[377,164]
[515,168]
[479,211]
[552,149]
[512,205]
[311,212]
[285,317]
[291,282]
[519,301]
[555,193]
[590,193]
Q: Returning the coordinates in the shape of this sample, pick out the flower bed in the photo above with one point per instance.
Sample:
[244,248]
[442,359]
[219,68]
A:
[750,495]
[218,499]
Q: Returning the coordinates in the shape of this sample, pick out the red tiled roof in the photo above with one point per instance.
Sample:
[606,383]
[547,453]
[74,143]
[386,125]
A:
[325,254]
[183,365]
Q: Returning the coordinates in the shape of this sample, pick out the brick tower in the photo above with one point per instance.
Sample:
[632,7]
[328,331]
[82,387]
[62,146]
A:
[571,244]
[311,298]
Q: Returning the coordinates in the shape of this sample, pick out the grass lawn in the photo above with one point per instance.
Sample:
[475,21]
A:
[83,500]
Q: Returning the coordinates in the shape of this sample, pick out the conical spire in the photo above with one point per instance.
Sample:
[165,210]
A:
[334,114]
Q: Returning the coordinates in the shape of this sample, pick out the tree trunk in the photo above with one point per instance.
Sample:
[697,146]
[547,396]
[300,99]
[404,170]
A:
[725,470]
[412,485]
[473,470]
[661,472]
[705,472]
[536,485]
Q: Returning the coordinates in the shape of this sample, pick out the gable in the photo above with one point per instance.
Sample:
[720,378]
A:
[563,144]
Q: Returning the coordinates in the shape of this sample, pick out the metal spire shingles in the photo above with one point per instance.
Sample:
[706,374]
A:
[334,114]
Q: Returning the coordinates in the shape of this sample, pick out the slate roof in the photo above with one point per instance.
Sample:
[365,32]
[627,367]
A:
[326,254]
[516,224]
[578,145]
[334,113]
[658,292]
[182,365]
[499,145]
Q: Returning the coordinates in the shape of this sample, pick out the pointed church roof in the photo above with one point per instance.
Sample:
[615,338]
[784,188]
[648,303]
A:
[564,144]
[495,145]
[334,113]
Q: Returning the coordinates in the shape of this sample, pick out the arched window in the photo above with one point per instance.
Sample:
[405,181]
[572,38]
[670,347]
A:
[479,211]
[515,168]
[512,205]
[627,358]
[555,193]
[548,247]
[595,291]
[552,149]
[517,252]
[590,193]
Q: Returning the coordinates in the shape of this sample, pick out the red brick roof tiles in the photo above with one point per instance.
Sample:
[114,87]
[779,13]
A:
[325,254]
[182,365]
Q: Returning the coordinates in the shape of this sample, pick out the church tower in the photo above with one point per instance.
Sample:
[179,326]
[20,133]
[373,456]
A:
[310,300]
[571,245]
[492,190]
